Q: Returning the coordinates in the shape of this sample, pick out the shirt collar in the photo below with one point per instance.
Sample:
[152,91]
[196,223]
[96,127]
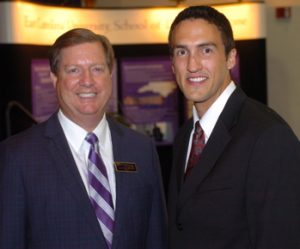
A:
[76,135]
[210,117]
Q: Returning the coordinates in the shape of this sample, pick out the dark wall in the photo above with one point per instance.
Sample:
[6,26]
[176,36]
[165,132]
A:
[253,66]
[15,68]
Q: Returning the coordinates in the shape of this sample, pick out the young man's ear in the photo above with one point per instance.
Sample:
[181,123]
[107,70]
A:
[231,58]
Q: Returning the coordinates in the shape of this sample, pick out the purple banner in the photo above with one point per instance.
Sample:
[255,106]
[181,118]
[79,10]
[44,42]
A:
[149,97]
[44,101]
[235,71]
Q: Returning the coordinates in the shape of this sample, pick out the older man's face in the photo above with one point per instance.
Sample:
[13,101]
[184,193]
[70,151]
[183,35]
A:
[83,83]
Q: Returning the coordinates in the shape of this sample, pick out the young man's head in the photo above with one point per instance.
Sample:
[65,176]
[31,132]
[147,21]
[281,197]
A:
[210,15]
[202,52]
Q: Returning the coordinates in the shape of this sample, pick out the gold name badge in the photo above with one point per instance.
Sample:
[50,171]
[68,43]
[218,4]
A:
[125,166]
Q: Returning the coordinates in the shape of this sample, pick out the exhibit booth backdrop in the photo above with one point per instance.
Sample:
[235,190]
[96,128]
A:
[143,79]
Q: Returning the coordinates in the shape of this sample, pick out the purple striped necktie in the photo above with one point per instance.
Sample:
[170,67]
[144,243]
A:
[99,189]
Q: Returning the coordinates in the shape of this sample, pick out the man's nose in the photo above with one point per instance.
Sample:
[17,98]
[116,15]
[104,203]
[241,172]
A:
[87,78]
[194,63]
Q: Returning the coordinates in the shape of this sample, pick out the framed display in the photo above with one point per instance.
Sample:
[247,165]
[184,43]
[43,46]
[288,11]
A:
[149,97]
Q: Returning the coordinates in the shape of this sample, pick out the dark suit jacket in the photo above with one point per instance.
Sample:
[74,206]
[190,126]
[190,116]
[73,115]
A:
[44,205]
[245,191]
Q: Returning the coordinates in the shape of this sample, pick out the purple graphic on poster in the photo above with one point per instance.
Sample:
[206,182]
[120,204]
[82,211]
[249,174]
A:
[112,105]
[44,101]
[149,97]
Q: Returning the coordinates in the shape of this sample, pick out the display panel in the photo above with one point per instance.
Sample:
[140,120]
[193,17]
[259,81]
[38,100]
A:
[149,97]
[44,101]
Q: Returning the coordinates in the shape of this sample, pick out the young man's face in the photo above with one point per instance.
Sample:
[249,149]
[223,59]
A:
[199,62]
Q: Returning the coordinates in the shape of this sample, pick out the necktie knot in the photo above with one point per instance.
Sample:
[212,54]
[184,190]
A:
[198,129]
[92,138]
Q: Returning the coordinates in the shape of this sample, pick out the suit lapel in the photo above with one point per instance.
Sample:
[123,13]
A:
[181,153]
[212,150]
[215,146]
[66,167]
[121,191]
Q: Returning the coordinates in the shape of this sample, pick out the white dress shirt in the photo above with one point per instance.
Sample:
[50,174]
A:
[80,148]
[210,117]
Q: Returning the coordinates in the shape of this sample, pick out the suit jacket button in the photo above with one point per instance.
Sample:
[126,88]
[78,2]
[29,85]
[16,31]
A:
[179,226]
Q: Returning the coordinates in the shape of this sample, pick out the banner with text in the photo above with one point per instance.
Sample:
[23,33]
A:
[28,23]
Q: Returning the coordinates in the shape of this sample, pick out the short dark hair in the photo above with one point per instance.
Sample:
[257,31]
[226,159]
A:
[212,16]
[75,37]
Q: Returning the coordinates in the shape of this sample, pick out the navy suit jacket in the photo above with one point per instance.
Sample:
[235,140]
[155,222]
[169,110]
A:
[244,193]
[44,204]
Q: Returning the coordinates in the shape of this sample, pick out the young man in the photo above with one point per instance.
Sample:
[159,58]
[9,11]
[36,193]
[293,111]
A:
[236,182]
[60,188]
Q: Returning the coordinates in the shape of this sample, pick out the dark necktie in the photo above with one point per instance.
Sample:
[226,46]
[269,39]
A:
[99,190]
[198,144]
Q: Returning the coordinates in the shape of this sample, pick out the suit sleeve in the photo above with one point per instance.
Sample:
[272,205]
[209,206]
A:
[12,202]
[273,191]
[157,231]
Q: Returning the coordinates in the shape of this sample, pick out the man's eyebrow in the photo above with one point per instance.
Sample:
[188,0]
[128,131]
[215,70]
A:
[205,44]
[180,46]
